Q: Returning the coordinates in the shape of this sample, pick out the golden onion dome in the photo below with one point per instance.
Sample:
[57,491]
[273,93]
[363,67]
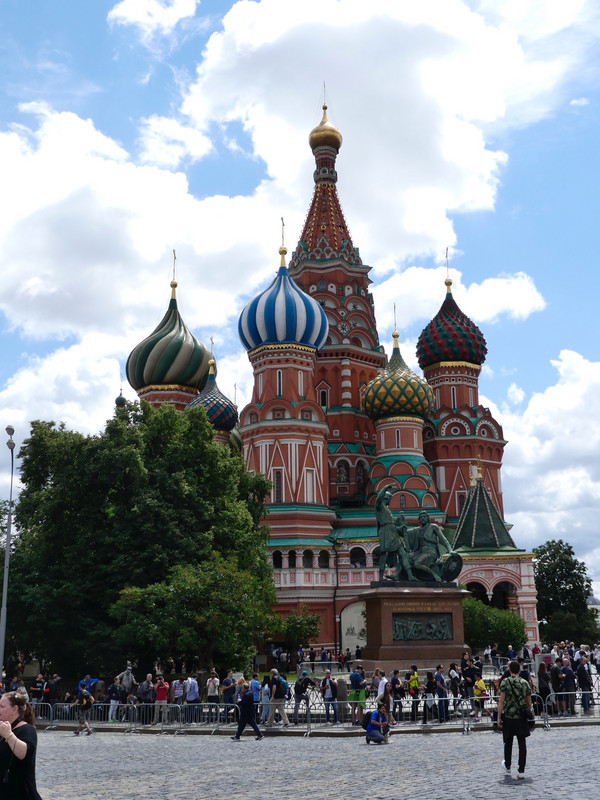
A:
[325,134]
[397,391]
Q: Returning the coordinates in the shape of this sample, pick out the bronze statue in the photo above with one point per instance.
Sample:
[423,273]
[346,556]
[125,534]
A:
[418,550]
[388,531]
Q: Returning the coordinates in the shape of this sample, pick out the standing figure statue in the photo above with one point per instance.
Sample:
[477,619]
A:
[388,531]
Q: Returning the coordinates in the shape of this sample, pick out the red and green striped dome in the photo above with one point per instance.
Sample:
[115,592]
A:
[450,336]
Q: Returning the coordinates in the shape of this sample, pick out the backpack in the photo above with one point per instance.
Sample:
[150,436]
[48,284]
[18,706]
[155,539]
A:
[285,688]
[301,686]
[366,719]
[86,701]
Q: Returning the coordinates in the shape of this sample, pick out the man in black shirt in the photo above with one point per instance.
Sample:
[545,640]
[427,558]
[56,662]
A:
[301,693]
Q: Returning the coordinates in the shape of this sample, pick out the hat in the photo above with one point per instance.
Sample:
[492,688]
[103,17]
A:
[304,672]
[413,666]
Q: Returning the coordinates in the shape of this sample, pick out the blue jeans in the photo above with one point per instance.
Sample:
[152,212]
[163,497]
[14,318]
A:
[443,709]
[585,699]
[333,704]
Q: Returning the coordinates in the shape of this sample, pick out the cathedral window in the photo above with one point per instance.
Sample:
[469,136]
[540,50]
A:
[278,486]
[308,559]
[358,558]
[461,503]
[470,397]
[323,398]
[324,559]
[453,396]
[277,559]
[415,440]
[375,557]
[279,390]
[260,384]
[292,559]
[397,438]
[361,477]
[309,486]
[343,472]
[301,383]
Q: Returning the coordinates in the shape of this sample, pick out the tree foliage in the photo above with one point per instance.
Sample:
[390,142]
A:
[298,628]
[98,514]
[487,625]
[563,588]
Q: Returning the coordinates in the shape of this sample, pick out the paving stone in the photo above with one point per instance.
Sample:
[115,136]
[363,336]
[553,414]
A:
[449,766]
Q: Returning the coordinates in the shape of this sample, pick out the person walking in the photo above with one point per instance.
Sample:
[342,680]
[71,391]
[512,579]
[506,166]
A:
[247,714]
[515,702]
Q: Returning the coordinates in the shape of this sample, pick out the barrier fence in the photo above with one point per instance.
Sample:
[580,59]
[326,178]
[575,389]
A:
[460,713]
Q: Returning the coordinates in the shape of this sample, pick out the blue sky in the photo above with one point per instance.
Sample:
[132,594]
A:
[131,128]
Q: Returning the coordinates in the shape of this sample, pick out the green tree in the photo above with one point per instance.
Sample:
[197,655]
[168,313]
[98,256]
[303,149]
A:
[563,588]
[298,629]
[485,625]
[101,513]
[214,610]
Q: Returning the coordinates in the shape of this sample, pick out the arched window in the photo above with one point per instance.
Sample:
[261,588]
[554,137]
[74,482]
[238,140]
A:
[277,559]
[324,559]
[375,556]
[453,396]
[279,390]
[300,383]
[461,502]
[278,486]
[260,384]
[308,559]
[323,398]
[361,475]
[358,558]
[292,559]
[397,439]
[343,471]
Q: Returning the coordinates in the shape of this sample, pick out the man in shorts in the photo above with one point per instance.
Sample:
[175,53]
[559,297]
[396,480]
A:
[84,702]
[357,694]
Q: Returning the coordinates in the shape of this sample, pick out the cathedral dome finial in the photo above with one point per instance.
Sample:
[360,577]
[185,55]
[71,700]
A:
[325,134]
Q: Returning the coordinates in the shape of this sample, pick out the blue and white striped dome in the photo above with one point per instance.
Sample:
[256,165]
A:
[283,314]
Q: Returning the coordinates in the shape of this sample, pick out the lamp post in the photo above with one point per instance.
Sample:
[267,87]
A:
[11,446]
[335,544]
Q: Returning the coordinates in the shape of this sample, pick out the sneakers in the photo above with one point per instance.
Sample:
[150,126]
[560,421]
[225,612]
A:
[235,739]
[521,776]
[75,733]
[505,768]
[89,733]
[258,738]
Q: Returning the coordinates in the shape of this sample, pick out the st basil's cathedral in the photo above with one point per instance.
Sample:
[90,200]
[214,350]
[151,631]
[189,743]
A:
[332,420]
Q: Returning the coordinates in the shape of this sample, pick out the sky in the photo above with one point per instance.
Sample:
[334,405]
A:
[130,129]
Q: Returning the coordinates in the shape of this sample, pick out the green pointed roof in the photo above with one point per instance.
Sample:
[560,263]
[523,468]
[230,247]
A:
[480,525]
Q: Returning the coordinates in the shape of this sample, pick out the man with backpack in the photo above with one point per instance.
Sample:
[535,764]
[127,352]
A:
[376,725]
[277,702]
[358,694]
[301,693]
[85,701]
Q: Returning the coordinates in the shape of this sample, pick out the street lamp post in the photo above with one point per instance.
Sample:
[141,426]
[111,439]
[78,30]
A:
[335,544]
[11,446]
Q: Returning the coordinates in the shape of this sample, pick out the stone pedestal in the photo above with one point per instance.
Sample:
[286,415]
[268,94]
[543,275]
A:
[410,623]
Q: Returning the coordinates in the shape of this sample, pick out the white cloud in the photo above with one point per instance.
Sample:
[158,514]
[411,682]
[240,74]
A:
[580,101]
[515,394]
[419,292]
[152,17]
[551,474]
[166,143]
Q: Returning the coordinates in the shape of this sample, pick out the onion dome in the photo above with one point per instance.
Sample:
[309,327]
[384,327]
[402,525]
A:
[221,412]
[325,134]
[235,440]
[397,391]
[120,401]
[171,355]
[450,336]
[283,314]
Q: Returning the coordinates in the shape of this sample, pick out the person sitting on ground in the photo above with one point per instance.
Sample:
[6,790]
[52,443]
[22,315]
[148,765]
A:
[377,728]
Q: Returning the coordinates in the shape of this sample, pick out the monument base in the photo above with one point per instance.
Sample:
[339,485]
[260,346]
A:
[413,623]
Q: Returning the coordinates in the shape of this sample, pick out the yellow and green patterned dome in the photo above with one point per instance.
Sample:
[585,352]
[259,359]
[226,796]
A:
[397,391]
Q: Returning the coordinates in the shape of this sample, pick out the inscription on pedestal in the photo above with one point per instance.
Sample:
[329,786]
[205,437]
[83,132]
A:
[421,626]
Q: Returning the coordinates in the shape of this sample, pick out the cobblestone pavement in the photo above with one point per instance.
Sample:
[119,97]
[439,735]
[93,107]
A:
[449,766]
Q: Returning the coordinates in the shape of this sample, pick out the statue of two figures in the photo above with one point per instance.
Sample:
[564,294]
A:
[417,554]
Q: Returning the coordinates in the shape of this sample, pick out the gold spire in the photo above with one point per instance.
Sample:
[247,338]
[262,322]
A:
[173,282]
[211,366]
[479,471]
[448,282]
[283,253]
[471,478]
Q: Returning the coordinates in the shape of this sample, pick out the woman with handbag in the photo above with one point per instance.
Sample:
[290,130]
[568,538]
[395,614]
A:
[515,702]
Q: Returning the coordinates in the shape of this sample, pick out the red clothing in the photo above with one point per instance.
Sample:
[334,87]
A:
[162,691]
